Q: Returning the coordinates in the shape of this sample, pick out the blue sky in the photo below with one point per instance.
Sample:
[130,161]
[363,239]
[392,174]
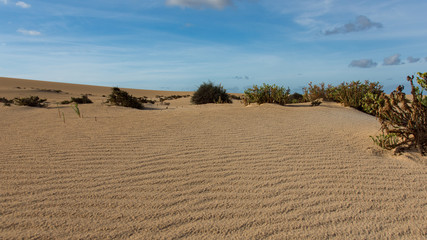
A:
[178,44]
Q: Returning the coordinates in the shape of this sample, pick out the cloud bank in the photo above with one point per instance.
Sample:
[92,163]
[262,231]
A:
[29,32]
[413,60]
[363,63]
[361,23]
[23,5]
[392,60]
[200,4]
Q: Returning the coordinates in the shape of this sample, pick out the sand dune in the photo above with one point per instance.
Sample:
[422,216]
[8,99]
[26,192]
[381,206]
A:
[211,171]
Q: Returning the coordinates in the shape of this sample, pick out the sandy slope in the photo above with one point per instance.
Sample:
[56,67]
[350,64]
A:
[212,171]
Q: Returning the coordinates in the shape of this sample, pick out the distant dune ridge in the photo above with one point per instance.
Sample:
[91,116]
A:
[188,171]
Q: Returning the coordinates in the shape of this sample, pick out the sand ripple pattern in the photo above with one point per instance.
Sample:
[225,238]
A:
[204,172]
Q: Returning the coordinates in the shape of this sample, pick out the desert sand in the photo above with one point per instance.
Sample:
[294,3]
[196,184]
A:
[200,172]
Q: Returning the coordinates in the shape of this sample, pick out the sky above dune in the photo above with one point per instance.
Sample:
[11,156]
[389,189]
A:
[178,44]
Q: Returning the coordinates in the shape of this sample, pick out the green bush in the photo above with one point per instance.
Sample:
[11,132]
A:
[266,94]
[296,98]
[352,94]
[32,101]
[208,93]
[124,99]
[404,119]
[84,99]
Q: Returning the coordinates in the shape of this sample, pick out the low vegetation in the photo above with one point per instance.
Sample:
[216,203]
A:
[266,94]
[403,121]
[122,98]
[209,93]
[32,101]
[6,101]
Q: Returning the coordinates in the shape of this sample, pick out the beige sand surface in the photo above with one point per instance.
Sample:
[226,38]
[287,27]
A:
[211,171]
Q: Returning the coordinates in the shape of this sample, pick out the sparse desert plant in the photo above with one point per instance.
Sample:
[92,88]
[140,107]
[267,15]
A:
[76,109]
[122,98]
[66,102]
[404,119]
[235,97]
[32,101]
[266,94]
[209,93]
[6,101]
[84,99]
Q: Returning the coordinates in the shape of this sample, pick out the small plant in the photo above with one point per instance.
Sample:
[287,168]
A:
[5,101]
[124,99]
[386,141]
[32,101]
[405,119]
[316,102]
[235,97]
[84,99]
[208,93]
[76,109]
[266,94]
[66,102]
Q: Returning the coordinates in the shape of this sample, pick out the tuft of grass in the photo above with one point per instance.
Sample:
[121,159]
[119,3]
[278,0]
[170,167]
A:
[76,109]
[32,101]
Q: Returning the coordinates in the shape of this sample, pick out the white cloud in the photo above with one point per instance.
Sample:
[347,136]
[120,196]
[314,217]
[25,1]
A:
[392,60]
[3,1]
[199,4]
[23,5]
[29,32]
[363,63]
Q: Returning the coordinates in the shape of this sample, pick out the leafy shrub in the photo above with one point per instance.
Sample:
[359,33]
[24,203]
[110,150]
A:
[404,119]
[296,98]
[266,94]
[208,93]
[81,100]
[352,94]
[124,99]
[32,101]
[5,101]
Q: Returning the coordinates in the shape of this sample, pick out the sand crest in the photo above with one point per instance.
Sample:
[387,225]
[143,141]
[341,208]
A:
[211,171]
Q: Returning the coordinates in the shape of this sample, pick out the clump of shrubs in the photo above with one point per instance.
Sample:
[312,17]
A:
[6,101]
[32,101]
[266,94]
[209,93]
[403,122]
[84,99]
[122,98]
[296,98]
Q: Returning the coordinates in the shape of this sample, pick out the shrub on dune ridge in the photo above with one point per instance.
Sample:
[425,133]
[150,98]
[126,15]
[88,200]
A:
[209,93]
[32,101]
[124,99]
[266,94]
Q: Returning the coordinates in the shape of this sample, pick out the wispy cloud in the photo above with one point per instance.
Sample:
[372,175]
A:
[23,4]
[3,1]
[413,60]
[200,4]
[29,32]
[361,23]
[392,60]
[363,63]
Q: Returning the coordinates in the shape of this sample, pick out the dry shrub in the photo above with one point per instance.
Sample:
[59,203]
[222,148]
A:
[404,119]
[124,99]
[209,93]
[32,101]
